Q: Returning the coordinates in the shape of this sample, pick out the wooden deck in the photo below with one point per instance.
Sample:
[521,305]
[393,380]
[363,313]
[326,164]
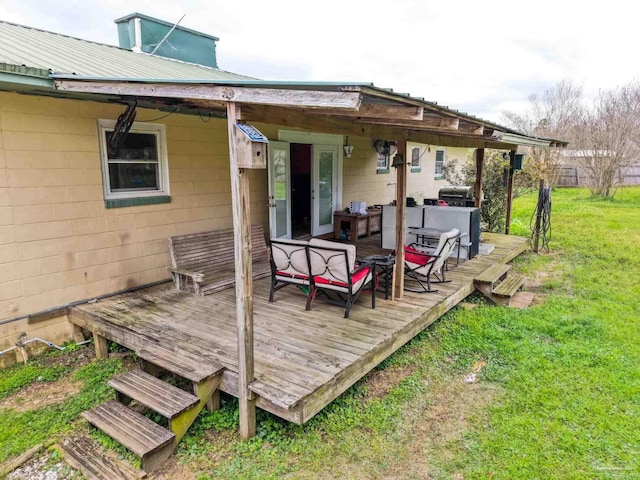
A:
[303,360]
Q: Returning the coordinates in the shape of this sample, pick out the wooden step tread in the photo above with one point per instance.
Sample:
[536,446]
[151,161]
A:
[493,273]
[134,431]
[84,454]
[159,396]
[180,363]
[509,285]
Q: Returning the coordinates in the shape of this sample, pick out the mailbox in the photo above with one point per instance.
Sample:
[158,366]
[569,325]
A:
[251,147]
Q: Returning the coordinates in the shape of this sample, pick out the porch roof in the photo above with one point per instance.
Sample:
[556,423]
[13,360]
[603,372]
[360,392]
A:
[348,108]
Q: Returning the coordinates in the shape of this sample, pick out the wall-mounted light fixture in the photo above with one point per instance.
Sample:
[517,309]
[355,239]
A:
[348,149]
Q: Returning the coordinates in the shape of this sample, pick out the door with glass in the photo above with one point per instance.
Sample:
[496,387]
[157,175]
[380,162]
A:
[324,191]
[279,190]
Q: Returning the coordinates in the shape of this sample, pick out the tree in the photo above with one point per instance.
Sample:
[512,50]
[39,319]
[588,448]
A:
[606,138]
[493,208]
[553,115]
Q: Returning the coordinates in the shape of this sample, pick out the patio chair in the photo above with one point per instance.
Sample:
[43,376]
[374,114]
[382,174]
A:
[336,276]
[420,262]
[290,266]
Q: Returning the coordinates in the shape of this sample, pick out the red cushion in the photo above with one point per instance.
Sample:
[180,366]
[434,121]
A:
[416,256]
[357,276]
[287,274]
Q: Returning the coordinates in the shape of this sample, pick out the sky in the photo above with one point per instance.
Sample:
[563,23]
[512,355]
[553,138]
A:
[481,58]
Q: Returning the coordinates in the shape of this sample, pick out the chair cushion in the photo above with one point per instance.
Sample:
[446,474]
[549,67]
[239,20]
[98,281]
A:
[332,260]
[290,257]
[360,277]
[415,256]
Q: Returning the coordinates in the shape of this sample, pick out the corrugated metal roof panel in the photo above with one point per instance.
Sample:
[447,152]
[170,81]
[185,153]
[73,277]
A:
[63,54]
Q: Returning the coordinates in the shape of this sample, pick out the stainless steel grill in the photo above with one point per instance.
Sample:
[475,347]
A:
[458,196]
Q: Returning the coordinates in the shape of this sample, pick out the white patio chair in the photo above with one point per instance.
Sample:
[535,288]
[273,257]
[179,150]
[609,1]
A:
[420,263]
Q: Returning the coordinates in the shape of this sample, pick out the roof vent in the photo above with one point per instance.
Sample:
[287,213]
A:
[141,33]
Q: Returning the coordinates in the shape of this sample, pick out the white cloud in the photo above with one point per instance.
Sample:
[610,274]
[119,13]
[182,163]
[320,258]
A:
[478,57]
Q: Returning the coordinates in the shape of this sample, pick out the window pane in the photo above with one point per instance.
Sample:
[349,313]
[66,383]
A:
[415,157]
[133,176]
[136,146]
[325,180]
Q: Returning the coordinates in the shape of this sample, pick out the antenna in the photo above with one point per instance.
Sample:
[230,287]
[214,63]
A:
[167,35]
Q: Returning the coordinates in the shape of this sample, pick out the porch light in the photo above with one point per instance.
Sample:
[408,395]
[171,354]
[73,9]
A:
[348,149]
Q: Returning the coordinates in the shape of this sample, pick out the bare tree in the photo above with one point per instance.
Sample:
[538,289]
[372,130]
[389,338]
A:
[606,138]
[552,115]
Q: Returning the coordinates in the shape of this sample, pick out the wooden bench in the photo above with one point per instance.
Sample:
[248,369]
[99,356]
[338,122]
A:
[204,262]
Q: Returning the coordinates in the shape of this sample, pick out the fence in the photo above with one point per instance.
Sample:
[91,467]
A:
[574,176]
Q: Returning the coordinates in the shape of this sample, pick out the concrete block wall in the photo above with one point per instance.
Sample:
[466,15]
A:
[58,243]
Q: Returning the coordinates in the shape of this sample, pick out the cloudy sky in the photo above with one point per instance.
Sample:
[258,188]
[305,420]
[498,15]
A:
[478,57]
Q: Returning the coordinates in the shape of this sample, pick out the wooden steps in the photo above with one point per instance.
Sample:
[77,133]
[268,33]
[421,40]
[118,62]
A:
[159,396]
[84,454]
[181,363]
[498,284]
[151,442]
[509,286]
[493,274]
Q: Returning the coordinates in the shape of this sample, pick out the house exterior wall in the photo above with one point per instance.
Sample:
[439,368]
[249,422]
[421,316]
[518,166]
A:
[58,242]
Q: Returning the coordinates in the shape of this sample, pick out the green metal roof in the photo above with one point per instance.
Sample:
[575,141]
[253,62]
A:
[31,47]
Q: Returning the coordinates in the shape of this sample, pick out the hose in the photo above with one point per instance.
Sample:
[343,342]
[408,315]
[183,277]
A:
[540,223]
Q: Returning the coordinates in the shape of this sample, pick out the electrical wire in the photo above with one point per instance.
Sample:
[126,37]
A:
[540,223]
[160,118]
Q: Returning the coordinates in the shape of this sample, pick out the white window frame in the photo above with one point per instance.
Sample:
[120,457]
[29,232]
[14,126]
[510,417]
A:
[160,132]
[444,159]
[415,168]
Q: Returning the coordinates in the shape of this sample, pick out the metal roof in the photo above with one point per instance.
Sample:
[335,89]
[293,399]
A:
[31,47]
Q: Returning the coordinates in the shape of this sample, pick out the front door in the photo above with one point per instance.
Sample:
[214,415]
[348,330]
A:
[324,190]
[279,190]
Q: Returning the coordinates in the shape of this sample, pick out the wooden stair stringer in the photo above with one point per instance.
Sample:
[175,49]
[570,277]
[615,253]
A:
[204,390]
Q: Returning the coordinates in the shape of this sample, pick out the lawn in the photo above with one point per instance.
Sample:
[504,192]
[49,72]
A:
[557,392]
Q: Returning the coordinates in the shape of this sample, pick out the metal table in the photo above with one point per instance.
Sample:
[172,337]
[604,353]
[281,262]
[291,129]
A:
[384,265]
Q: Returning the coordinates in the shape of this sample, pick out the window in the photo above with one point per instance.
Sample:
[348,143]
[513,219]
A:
[439,163]
[415,159]
[383,163]
[137,172]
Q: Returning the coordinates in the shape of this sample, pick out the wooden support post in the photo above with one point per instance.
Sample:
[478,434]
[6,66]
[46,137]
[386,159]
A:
[477,191]
[240,203]
[100,344]
[512,157]
[401,219]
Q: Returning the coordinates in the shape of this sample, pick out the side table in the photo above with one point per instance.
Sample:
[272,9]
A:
[384,267]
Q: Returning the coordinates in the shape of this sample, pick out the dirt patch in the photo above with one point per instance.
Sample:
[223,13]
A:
[77,358]
[381,382]
[41,394]
[442,424]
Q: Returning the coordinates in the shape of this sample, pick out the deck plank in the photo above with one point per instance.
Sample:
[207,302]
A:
[303,359]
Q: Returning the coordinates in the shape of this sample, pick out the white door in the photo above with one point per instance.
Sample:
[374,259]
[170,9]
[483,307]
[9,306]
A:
[279,190]
[324,189]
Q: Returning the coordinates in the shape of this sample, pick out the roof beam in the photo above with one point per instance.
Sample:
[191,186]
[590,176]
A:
[375,110]
[264,96]
[287,117]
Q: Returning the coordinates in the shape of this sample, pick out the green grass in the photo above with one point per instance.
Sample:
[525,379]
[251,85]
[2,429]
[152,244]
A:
[20,431]
[558,398]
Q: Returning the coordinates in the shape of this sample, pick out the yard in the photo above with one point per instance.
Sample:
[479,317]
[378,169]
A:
[550,392]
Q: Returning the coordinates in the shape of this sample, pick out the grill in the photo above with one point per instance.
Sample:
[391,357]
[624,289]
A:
[461,196]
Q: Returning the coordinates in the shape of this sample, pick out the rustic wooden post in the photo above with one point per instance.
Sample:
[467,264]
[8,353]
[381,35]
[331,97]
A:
[244,278]
[401,219]
[477,191]
[512,158]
